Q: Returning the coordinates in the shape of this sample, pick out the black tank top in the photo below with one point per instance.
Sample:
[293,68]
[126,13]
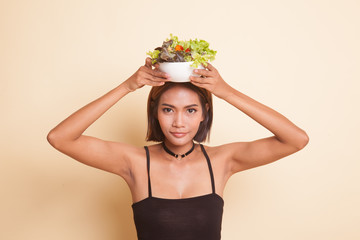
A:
[195,218]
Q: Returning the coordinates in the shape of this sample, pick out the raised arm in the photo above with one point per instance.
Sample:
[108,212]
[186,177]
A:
[68,138]
[287,139]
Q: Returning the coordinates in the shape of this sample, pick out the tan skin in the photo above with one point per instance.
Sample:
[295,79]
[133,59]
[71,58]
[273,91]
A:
[179,114]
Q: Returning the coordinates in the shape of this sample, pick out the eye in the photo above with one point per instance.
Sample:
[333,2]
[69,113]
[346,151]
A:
[167,110]
[191,110]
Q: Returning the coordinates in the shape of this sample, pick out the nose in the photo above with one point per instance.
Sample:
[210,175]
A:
[178,120]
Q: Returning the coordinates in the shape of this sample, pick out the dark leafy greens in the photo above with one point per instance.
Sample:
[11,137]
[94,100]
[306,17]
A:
[173,50]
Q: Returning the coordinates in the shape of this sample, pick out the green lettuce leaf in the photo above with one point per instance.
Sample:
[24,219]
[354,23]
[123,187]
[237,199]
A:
[196,51]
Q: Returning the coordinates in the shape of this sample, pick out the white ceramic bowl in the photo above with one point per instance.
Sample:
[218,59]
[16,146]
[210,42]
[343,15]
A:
[179,71]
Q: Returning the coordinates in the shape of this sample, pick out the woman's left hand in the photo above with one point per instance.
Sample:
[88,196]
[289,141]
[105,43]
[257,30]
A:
[211,80]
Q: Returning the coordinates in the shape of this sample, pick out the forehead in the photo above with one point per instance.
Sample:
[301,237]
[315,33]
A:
[180,95]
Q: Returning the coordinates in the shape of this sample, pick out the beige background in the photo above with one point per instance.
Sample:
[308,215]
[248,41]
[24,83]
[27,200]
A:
[299,57]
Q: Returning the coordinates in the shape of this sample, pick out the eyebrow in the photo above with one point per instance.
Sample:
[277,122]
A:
[172,106]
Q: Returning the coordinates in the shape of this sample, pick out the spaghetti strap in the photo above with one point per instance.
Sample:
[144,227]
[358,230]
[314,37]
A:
[210,168]
[148,169]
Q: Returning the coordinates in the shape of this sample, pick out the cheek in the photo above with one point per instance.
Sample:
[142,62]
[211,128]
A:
[163,120]
[195,122]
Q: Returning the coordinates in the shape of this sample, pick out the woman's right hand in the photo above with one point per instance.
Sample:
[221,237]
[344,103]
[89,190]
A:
[146,75]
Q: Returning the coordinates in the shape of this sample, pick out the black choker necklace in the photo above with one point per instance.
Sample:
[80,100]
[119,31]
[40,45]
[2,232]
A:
[178,156]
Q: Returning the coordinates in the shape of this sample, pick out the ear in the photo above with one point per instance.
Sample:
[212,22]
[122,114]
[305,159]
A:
[207,109]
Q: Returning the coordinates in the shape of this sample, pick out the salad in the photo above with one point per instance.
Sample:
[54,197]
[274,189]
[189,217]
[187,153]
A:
[174,50]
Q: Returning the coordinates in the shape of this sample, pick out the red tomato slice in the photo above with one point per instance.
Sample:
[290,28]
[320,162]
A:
[179,48]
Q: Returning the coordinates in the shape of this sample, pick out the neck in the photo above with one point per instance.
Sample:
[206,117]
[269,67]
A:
[179,149]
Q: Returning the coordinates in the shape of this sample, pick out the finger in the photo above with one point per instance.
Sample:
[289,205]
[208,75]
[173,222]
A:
[156,73]
[200,80]
[148,62]
[154,84]
[203,72]
[159,74]
[210,67]
[157,67]
[199,83]
[154,81]
[159,78]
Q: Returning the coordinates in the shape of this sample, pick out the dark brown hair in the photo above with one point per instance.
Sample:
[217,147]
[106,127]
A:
[154,132]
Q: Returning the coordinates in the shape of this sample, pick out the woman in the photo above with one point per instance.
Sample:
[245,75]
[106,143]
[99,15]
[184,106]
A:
[177,185]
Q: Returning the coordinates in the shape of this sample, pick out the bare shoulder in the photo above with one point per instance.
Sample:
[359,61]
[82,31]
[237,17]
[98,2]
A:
[134,152]
[222,156]
[225,151]
[138,167]
[137,155]
[134,155]
[131,160]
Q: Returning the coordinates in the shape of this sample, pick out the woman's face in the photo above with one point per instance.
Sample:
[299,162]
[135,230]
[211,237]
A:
[179,114]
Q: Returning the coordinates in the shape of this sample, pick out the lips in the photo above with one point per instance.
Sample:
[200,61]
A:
[178,134]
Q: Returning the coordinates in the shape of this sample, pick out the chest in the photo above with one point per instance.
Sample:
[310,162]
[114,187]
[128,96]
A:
[180,179]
